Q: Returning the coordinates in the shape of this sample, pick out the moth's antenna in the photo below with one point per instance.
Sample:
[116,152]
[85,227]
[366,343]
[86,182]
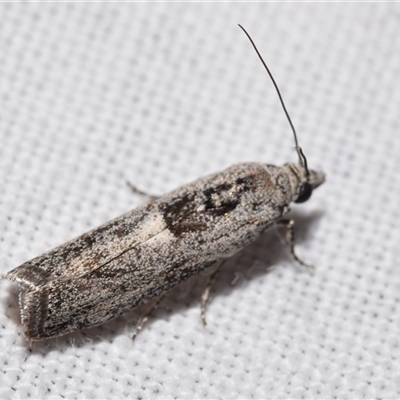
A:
[302,157]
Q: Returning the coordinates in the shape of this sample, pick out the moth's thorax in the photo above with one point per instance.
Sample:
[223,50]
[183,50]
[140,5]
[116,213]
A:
[298,176]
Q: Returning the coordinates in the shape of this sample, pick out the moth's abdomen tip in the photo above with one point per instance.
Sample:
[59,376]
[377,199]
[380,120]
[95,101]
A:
[34,309]
[29,275]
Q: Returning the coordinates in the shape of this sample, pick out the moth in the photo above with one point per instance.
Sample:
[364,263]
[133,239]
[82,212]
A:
[144,253]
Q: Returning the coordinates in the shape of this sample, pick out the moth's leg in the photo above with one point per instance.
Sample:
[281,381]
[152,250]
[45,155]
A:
[206,294]
[289,236]
[143,319]
[140,192]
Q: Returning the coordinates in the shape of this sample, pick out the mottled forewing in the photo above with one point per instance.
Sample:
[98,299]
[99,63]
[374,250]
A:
[169,240]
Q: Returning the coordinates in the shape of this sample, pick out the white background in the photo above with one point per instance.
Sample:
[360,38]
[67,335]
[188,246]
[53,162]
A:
[94,94]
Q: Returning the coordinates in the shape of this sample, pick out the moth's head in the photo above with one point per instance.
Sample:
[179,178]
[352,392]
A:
[303,181]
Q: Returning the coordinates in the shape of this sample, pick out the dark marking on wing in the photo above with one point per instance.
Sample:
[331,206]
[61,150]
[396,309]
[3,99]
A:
[176,215]
[225,197]
[192,212]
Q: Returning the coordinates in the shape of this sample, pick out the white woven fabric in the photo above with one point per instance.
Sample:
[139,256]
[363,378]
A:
[93,94]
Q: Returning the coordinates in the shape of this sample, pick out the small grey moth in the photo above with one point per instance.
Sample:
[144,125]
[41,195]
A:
[144,253]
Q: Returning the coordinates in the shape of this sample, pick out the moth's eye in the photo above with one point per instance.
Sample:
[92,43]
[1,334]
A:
[305,193]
